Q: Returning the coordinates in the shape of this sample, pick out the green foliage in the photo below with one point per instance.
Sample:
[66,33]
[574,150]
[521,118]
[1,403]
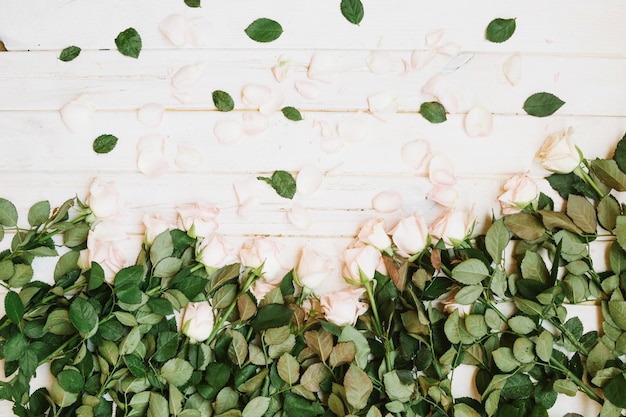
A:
[433,111]
[223,101]
[69,53]
[128,42]
[282,182]
[104,143]
[291,113]
[500,30]
[542,104]
[264,30]
[352,10]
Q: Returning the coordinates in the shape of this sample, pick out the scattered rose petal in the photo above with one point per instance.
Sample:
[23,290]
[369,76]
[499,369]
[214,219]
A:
[355,128]
[187,76]
[439,87]
[309,179]
[443,195]
[187,157]
[381,62]
[441,170]
[183,97]
[512,69]
[282,69]
[307,89]
[228,131]
[198,31]
[387,201]
[274,104]
[450,49]
[77,114]
[299,216]
[151,159]
[478,122]
[323,67]
[415,153]
[255,95]
[173,27]
[151,114]
[248,207]
[457,62]
[248,187]
[434,37]
[382,105]
[332,145]
[420,57]
[254,123]
[326,130]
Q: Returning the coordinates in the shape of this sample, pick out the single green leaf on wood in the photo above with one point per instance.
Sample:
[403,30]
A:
[223,101]
[291,113]
[128,42]
[104,143]
[69,53]
[282,182]
[192,3]
[264,30]
[8,213]
[500,30]
[352,10]
[433,111]
[542,104]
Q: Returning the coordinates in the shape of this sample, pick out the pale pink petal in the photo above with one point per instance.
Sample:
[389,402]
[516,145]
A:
[307,89]
[309,179]
[151,140]
[198,31]
[254,95]
[443,195]
[415,153]
[173,28]
[450,49]
[323,67]
[421,57]
[78,113]
[248,207]
[282,69]
[183,96]
[326,130]
[188,76]
[382,105]
[248,187]
[274,104]
[512,69]
[441,170]
[439,87]
[299,216]
[254,123]
[434,37]
[187,157]
[355,129]
[332,145]
[151,161]
[381,62]
[151,114]
[228,131]
[387,201]
[478,122]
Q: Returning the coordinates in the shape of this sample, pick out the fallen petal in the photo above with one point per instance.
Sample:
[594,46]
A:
[173,27]
[354,129]
[323,67]
[512,69]
[331,145]
[151,156]
[382,105]
[228,131]
[151,114]
[78,113]
[150,140]
[248,207]
[309,180]
[439,87]
[299,216]
[434,37]
[247,188]
[478,122]
[441,170]
[415,153]
[326,130]
[282,69]
[254,123]
[420,57]
[450,49]
[198,31]
[187,76]
[381,62]
[183,97]
[254,95]
[387,201]
[274,104]
[443,195]
[187,157]
[307,89]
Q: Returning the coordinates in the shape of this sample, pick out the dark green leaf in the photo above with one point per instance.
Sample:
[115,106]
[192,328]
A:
[620,154]
[13,307]
[129,275]
[160,306]
[128,43]
[192,3]
[14,347]
[352,10]
[167,345]
[96,276]
[69,53]
[500,30]
[282,182]
[8,213]
[433,111]
[272,315]
[518,386]
[295,405]
[566,184]
[84,317]
[264,30]
[39,213]
[291,113]
[71,380]
[542,104]
[223,101]
[614,391]
[104,143]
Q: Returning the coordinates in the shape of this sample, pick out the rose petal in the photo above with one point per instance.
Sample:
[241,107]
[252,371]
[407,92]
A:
[381,62]
[78,113]
[478,122]
[248,207]
[512,69]
[282,69]
[387,201]
[382,105]
[299,216]
[309,180]
[420,57]
[254,95]
[183,97]
[151,161]
[187,157]
[228,131]
[198,31]
[434,37]
[248,187]
[307,89]
[415,153]
[439,87]
[323,67]
[150,140]
[331,145]
[274,103]
[173,27]
[441,170]
[443,195]
[151,114]
[254,123]
[187,76]
[355,129]
[450,49]
[326,130]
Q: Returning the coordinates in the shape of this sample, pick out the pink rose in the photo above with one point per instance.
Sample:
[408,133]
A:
[318,272]
[361,263]
[264,252]
[559,153]
[519,191]
[198,321]
[198,219]
[104,201]
[215,252]
[443,195]
[343,307]
[453,226]
[261,288]
[373,233]
[155,225]
[104,247]
[410,235]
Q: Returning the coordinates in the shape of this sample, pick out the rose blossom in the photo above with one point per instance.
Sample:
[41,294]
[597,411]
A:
[318,273]
[263,251]
[519,191]
[104,200]
[103,248]
[198,219]
[260,289]
[198,320]
[343,307]
[373,233]
[155,225]
[410,235]
[360,260]
[215,252]
[559,153]
[453,226]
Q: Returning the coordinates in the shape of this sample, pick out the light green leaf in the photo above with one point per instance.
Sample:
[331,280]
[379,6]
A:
[521,324]
[177,371]
[128,42]
[542,104]
[39,213]
[433,111]
[350,334]
[565,386]
[69,53]
[256,407]
[223,101]
[452,327]
[471,271]
[130,341]
[58,322]
[8,213]
[617,309]
[545,344]
[352,10]
[467,295]
[264,30]
[528,306]
[498,283]
[525,226]
[504,359]
[397,390]
[288,369]
[13,307]
[157,406]
[524,350]
[497,239]
[464,410]
[608,210]
[358,386]
[500,30]
[168,267]
[582,212]
[608,172]
[476,325]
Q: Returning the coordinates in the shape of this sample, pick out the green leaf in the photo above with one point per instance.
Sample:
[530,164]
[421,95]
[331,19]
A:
[264,30]
[497,239]
[192,3]
[282,182]
[582,212]
[525,226]
[14,347]
[96,276]
[500,30]
[256,407]
[620,154]
[84,317]
[620,231]
[464,410]
[8,213]
[13,307]
[291,113]
[295,405]
[352,10]
[177,371]
[614,391]
[349,333]
[167,345]
[157,406]
[542,104]
[128,42]
[545,344]
[565,386]
[71,380]
[104,143]
[38,213]
[135,365]
[504,359]
[272,315]
[58,322]
[433,111]
[22,275]
[358,386]
[518,386]
[608,172]
[467,295]
[288,369]
[522,324]
[69,53]
[617,309]
[223,101]
[608,210]
[471,271]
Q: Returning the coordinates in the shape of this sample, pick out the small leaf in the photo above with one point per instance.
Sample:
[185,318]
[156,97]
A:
[433,111]
[272,315]
[192,3]
[223,101]
[620,154]
[500,30]
[104,143]
[69,53]
[497,239]
[522,324]
[264,30]
[545,344]
[256,407]
[288,369]
[177,371]
[8,213]
[320,342]
[282,182]
[467,295]
[608,210]
[291,113]
[71,380]
[471,271]
[542,104]
[128,43]
[84,317]
[582,212]
[358,386]
[352,10]
[13,307]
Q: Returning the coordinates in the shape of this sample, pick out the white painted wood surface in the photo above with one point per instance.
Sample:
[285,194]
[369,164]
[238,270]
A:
[574,49]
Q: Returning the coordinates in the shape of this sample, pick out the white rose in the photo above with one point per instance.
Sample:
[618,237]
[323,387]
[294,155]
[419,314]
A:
[519,191]
[559,153]
[343,307]
[410,235]
[104,200]
[261,288]
[215,252]
[453,226]
[361,260]
[319,273]
[104,247]
[198,219]
[155,225]
[373,233]
[263,251]
[198,321]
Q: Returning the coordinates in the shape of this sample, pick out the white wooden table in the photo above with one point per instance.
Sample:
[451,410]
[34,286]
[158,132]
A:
[574,49]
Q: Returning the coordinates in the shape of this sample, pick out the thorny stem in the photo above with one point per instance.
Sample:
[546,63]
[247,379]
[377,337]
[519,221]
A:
[582,349]
[379,328]
[587,178]
[586,388]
